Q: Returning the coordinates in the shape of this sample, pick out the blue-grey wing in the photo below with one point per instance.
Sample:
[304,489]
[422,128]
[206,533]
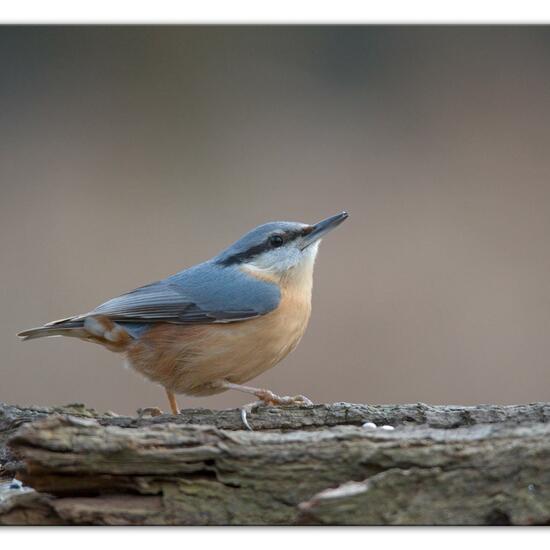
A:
[206,293]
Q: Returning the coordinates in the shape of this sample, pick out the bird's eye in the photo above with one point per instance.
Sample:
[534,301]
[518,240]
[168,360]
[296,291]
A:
[276,241]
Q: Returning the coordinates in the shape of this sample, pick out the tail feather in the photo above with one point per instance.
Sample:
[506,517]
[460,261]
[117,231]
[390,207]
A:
[92,328]
[71,326]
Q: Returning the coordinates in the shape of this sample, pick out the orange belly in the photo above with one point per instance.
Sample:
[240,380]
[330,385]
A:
[193,359]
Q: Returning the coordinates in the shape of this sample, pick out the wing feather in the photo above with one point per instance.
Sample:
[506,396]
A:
[204,294]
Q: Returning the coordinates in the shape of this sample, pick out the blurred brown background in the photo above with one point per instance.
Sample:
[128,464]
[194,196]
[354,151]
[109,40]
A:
[127,154]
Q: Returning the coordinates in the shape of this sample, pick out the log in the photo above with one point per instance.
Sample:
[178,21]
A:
[440,465]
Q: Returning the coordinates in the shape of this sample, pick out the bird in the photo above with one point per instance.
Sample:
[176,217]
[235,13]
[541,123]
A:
[216,325]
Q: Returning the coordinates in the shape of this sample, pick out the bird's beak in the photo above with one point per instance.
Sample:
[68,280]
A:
[321,228]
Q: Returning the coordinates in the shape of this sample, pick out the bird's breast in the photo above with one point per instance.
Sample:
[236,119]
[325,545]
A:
[190,359]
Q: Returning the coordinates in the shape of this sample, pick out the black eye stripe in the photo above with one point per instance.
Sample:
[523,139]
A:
[256,250]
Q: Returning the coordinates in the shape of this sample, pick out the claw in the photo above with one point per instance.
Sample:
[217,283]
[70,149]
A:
[302,400]
[245,419]
[246,409]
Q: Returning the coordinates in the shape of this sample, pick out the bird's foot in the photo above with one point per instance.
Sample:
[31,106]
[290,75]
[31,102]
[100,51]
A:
[267,398]
[149,411]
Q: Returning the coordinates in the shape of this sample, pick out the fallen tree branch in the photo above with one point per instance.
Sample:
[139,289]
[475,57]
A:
[295,418]
[440,465]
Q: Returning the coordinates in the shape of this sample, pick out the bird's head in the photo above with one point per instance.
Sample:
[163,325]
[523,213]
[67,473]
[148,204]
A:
[277,250]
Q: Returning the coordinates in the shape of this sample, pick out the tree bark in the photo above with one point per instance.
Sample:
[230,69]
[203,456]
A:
[301,465]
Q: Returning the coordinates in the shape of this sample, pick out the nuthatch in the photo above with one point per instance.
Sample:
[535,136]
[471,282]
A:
[218,324]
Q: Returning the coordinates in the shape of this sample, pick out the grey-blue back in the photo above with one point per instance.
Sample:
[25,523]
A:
[205,293]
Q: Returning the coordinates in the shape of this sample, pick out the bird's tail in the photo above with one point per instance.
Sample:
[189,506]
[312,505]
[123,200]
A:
[72,326]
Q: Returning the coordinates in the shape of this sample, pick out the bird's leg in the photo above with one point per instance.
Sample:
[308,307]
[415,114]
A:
[172,401]
[266,397]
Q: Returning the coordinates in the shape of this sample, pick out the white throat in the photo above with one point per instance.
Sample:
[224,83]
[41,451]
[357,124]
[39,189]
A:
[293,268]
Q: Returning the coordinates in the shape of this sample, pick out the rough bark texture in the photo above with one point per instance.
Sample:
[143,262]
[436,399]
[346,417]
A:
[318,465]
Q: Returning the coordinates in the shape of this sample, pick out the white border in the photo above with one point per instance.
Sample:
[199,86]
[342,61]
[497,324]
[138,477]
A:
[281,11]
[250,12]
[266,538]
